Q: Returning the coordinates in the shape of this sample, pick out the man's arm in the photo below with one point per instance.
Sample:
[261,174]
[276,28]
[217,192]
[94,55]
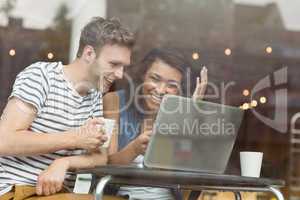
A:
[90,160]
[51,180]
[16,139]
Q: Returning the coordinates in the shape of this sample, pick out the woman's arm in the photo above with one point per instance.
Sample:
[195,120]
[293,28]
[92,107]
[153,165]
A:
[125,156]
[111,105]
[134,148]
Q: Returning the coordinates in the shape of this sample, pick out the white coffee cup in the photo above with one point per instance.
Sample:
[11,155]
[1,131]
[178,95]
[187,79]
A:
[108,127]
[251,163]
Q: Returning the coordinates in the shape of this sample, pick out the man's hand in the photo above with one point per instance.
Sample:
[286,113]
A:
[91,135]
[141,142]
[201,85]
[50,181]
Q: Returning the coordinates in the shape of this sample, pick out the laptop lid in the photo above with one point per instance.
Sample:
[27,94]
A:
[193,136]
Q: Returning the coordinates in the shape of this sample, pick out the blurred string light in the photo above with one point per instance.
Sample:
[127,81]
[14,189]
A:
[227,52]
[195,56]
[50,56]
[12,52]
[269,50]
[246,92]
[263,100]
[253,103]
[245,106]
[250,105]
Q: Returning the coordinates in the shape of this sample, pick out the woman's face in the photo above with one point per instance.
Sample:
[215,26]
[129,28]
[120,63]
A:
[160,79]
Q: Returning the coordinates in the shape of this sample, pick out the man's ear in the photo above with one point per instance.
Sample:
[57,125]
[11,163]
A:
[89,54]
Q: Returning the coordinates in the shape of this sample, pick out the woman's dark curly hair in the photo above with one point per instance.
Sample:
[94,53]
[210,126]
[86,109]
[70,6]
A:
[173,57]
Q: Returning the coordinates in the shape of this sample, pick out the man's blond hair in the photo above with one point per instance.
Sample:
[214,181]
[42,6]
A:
[100,31]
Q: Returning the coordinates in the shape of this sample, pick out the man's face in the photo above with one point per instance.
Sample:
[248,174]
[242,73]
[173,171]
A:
[109,65]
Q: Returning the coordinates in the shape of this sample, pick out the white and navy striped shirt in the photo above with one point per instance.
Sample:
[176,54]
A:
[59,108]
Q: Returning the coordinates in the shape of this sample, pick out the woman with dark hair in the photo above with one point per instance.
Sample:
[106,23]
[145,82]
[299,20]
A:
[161,72]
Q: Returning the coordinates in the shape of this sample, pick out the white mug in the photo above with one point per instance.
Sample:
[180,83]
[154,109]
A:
[251,163]
[108,127]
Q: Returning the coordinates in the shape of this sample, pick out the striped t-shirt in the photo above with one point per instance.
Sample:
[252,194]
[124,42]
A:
[59,108]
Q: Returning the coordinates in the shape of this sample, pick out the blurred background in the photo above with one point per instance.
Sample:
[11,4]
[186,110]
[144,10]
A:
[239,41]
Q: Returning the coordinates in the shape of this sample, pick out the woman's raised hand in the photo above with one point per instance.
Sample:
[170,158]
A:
[201,85]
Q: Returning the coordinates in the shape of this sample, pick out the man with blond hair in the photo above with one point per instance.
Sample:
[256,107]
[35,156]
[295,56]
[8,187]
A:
[52,122]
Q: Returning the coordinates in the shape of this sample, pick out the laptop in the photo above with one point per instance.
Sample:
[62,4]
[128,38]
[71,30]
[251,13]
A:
[193,135]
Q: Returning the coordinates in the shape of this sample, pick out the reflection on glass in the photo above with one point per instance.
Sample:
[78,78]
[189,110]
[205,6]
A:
[269,50]
[246,92]
[253,103]
[227,52]
[50,56]
[263,100]
[12,52]
[195,56]
[245,41]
